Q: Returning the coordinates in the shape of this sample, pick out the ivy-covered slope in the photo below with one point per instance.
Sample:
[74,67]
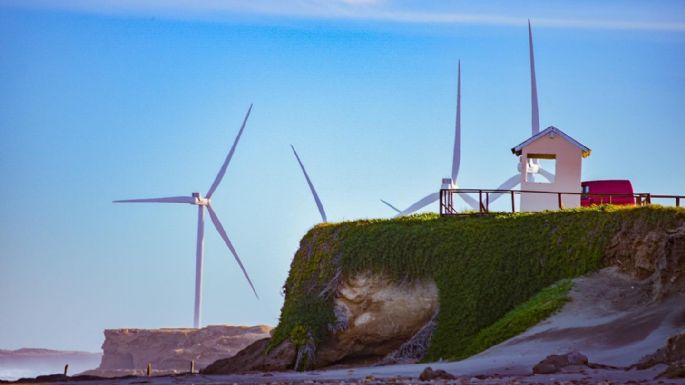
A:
[484,267]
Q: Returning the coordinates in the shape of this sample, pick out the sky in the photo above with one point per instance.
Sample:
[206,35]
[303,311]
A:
[103,100]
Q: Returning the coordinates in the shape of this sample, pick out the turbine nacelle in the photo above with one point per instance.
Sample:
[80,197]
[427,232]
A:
[448,184]
[531,167]
[199,200]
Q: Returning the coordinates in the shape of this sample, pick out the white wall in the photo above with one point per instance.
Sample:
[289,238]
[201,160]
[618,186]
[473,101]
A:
[567,175]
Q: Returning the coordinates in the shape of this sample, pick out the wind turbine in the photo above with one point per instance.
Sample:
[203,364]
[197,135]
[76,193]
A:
[202,203]
[532,167]
[446,182]
[311,186]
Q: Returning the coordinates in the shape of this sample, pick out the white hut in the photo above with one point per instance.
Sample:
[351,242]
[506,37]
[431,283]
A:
[550,145]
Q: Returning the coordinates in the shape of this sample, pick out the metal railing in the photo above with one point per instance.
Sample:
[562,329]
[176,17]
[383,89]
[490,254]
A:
[484,198]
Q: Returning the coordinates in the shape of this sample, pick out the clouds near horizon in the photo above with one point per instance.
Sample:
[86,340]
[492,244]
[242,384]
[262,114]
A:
[653,16]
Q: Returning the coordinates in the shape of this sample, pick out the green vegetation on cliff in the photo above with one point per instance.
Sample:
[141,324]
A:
[515,322]
[486,268]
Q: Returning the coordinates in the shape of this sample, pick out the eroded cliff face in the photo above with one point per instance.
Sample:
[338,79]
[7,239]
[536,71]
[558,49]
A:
[376,316]
[652,255]
[128,351]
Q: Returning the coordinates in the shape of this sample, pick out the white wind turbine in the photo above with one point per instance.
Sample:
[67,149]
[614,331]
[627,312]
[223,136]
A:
[446,182]
[202,203]
[311,186]
[532,167]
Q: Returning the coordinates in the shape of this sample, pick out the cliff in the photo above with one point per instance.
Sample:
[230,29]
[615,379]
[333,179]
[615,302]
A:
[128,351]
[446,288]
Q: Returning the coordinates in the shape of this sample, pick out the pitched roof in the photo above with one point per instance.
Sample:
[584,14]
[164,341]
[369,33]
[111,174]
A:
[551,130]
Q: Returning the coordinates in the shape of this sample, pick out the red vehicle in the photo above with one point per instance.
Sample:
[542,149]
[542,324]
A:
[618,192]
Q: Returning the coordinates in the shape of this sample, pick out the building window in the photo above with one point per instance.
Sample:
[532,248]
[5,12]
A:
[546,165]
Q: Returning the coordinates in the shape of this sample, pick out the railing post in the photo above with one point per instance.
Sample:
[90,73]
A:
[561,206]
[677,201]
[513,206]
[649,198]
[487,202]
[451,200]
[480,201]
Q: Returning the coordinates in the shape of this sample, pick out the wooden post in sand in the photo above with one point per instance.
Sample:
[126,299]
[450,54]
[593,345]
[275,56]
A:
[66,369]
[149,369]
[192,366]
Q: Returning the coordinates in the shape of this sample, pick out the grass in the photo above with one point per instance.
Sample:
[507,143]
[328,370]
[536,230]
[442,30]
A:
[484,267]
[524,316]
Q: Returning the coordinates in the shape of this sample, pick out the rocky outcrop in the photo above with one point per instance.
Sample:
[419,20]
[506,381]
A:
[256,358]
[429,374]
[376,317]
[555,363]
[654,255]
[573,362]
[672,372]
[673,353]
[128,351]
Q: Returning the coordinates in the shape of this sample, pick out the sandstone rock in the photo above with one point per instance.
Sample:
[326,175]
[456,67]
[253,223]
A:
[545,368]
[673,353]
[673,372]
[377,316]
[656,255]
[554,363]
[255,358]
[415,348]
[128,351]
[576,358]
[429,374]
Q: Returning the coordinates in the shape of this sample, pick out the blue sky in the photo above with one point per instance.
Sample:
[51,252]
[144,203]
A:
[104,100]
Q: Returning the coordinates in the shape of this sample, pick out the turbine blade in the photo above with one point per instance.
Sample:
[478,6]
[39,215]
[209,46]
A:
[507,185]
[535,114]
[456,152]
[391,206]
[183,199]
[546,174]
[428,199]
[222,170]
[470,201]
[224,236]
[311,186]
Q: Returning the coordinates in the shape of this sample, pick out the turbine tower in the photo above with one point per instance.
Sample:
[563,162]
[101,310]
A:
[533,167]
[311,186]
[203,203]
[450,182]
